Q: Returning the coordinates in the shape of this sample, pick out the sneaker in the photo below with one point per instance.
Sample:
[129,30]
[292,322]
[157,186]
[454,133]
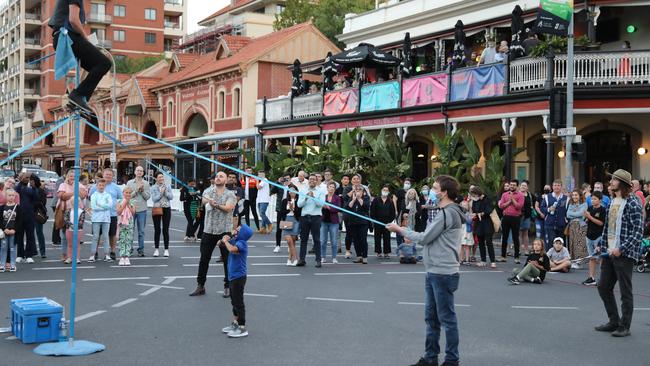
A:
[140,253]
[514,280]
[537,280]
[166,253]
[502,259]
[318,265]
[323,260]
[29,260]
[19,260]
[91,259]
[113,256]
[67,261]
[277,249]
[13,269]
[121,263]
[127,261]
[379,255]
[229,328]
[517,261]
[294,263]
[155,253]
[289,262]
[311,251]
[608,327]
[621,332]
[348,254]
[77,101]
[78,261]
[238,332]
[493,265]
[387,257]
[300,263]
[43,256]
[187,238]
[365,261]
[423,362]
[108,258]
[226,293]
[589,281]
[334,261]
[2,269]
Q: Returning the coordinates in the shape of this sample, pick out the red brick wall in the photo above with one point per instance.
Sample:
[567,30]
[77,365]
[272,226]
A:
[274,80]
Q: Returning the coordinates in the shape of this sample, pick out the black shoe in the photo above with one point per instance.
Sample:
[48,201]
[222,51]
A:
[358,260]
[43,256]
[200,290]
[131,252]
[447,363]
[226,292]
[76,101]
[301,263]
[113,255]
[96,256]
[56,244]
[140,253]
[608,327]
[589,282]
[318,265]
[423,362]
[621,332]
[514,280]
[311,251]
[537,280]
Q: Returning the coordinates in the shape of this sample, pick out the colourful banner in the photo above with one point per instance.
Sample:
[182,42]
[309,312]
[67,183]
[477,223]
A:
[343,101]
[479,82]
[423,90]
[553,16]
[380,96]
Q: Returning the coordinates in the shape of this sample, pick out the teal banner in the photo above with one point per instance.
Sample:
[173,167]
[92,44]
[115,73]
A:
[380,96]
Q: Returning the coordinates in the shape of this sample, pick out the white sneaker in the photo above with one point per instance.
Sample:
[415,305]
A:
[323,260]
[29,260]
[127,261]
[277,249]
[334,261]
[67,261]
[19,260]
[155,253]
[107,258]
[121,263]
[78,261]
[187,238]
[166,253]
[91,259]
[288,262]
[294,263]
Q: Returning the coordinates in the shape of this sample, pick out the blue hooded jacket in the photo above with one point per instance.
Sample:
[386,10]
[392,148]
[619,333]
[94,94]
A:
[237,261]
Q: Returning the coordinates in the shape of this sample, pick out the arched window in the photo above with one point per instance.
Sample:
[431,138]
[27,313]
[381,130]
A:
[221,105]
[170,113]
[236,102]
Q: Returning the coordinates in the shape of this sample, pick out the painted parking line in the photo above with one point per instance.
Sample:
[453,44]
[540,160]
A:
[423,304]
[29,281]
[339,300]
[400,273]
[255,295]
[142,266]
[125,302]
[343,274]
[151,291]
[161,286]
[642,309]
[89,315]
[56,268]
[116,279]
[168,281]
[546,307]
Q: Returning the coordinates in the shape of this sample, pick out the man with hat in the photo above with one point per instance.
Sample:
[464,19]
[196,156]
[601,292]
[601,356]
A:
[620,247]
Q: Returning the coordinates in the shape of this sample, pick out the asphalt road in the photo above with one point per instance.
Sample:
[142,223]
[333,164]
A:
[345,314]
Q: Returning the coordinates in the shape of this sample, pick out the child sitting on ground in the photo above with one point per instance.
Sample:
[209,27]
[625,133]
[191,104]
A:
[406,251]
[468,236]
[559,256]
[237,276]
[537,264]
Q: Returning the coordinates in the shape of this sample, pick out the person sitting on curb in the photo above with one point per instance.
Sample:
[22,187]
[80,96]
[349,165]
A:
[559,256]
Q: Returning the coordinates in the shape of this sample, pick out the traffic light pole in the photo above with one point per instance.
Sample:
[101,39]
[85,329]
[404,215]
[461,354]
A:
[568,156]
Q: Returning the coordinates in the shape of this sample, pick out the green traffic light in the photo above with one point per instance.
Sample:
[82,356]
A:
[631,29]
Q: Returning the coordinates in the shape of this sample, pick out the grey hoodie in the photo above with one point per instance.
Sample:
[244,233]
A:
[442,240]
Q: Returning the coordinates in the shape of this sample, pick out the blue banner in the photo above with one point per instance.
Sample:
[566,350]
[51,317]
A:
[377,97]
[480,82]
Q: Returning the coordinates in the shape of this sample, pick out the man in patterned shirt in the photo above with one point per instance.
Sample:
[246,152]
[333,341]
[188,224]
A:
[219,203]
[621,248]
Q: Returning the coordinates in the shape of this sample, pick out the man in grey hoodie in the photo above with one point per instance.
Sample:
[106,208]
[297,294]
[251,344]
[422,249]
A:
[441,242]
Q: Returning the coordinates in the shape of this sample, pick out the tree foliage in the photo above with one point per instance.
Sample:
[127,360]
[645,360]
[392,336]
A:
[129,65]
[328,15]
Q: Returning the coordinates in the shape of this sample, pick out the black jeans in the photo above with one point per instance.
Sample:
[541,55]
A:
[26,231]
[237,299]
[381,233]
[208,242]
[310,224]
[360,239]
[92,60]
[251,205]
[189,230]
[278,231]
[619,270]
[510,224]
[348,236]
[165,218]
[486,241]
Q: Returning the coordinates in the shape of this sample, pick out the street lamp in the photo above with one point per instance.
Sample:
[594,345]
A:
[113,112]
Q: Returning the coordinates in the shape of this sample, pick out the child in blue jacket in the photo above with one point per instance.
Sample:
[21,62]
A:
[237,277]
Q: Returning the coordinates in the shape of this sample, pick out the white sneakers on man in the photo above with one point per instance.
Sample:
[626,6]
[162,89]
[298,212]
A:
[166,253]
[155,253]
[29,260]
[277,249]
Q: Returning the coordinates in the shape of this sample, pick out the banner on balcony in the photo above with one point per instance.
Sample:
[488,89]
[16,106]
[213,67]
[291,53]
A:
[340,102]
[480,82]
[377,97]
[423,90]
[553,17]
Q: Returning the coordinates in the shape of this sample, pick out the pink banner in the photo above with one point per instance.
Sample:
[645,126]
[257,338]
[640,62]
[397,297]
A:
[423,90]
[341,102]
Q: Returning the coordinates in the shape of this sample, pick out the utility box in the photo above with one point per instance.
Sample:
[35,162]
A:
[36,320]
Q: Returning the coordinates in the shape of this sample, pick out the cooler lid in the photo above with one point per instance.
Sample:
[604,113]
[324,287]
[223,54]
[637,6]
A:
[38,307]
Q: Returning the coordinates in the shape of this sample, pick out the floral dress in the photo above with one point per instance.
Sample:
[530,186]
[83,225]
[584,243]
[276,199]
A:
[125,227]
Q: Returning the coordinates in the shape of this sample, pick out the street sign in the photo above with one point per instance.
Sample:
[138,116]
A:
[569,131]
[113,158]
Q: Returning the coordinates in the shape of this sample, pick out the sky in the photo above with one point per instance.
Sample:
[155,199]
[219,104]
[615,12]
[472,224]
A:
[200,9]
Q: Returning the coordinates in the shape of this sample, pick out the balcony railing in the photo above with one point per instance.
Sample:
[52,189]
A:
[174,2]
[33,16]
[33,41]
[591,70]
[33,67]
[172,25]
[100,18]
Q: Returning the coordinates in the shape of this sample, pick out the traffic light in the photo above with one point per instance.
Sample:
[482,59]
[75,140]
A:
[579,152]
[558,109]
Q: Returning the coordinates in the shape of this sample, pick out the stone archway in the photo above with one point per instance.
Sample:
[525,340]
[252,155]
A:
[196,126]
[150,129]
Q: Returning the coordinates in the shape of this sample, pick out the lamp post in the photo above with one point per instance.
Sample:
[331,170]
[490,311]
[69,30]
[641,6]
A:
[113,109]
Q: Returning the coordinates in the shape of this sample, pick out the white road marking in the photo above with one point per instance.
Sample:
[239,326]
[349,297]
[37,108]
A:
[172,229]
[116,279]
[392,273]
[142,266]
[55,268]
[150,291]
[274,275]
[30,281]
[339,300]
[343,274]
[169,280]
[642,309]
[161,286]
[488,271]
[389,263]
[148,258]
[125,302]
[546,307]
[269,264]
[11,338]
[89,315]
[249,294]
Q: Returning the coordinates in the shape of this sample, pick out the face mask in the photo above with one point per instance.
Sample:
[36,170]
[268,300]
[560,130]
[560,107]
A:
[433,197]
[547,191]
[384,194]
[407,185]
[438,196]
[474,198]
[425,192]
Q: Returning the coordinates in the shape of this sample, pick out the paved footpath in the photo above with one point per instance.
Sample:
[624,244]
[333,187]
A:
[345,314]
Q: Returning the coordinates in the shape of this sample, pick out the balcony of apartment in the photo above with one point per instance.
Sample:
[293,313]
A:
[612,72]
[31,94]
[32,20]
[99,18]
[32,71]
[174,7]
[173,28]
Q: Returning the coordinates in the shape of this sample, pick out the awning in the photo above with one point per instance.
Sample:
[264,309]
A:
[248,132]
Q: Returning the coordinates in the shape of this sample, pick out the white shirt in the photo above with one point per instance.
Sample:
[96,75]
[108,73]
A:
[263,192]
[300,186]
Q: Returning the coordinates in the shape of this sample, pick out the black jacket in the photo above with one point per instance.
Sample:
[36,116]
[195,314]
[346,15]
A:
[296,211]
[187,198]
[3,223]
[278,197]
[483,227]
[362,210]
[383,211]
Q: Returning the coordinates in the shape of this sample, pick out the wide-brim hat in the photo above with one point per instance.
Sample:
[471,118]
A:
[623,176]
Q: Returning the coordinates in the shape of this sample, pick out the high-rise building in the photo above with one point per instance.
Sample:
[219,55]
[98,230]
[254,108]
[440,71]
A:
[124,28]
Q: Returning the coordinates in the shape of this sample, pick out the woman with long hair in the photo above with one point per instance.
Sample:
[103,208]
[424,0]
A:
[39,206]
[291,212]
[161,195]
[577,225]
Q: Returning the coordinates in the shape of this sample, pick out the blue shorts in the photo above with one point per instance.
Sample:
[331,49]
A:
[525,224]
[295,231]
[591,246]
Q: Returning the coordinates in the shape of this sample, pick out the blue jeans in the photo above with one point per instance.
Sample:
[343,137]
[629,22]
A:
[552,233]
[64,243]
[8,243]
[332,230]
[97,228]
[261,207]
[539,229]
[439,311]
[41,238]
[140,222]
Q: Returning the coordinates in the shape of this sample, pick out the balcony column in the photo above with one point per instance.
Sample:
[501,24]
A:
[550,149]
[508,125]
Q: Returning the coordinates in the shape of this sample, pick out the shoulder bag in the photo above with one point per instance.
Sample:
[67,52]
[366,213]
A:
[59,219]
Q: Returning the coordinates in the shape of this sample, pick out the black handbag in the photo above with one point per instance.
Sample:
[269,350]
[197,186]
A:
[41,216]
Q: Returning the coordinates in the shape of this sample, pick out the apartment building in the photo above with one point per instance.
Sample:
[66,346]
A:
[124,28]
